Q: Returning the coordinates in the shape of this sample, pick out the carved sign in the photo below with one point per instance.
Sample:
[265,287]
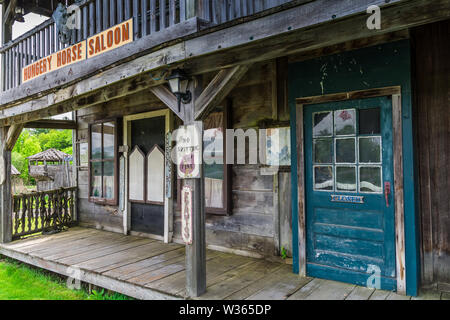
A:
[186,214]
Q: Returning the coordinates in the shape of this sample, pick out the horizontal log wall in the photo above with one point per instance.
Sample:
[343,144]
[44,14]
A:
[432,130]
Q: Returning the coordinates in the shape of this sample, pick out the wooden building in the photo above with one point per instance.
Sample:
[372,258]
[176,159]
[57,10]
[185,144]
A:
[362,193]
[51,169]
[16,180]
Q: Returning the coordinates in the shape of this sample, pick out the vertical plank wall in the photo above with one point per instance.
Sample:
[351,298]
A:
[432,132]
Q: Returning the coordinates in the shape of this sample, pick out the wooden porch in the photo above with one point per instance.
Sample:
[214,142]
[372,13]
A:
[149,269]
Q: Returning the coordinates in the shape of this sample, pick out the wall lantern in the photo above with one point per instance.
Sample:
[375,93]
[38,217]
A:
[178,82]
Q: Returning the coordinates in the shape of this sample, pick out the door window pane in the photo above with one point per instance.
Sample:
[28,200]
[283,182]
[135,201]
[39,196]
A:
[345,178]
[369,121]
[370,179]
[323,124]
[345,122]
[370,149]
[323,150]
[345,150]
[323,178]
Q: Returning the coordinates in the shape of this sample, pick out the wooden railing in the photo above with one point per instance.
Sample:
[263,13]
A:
[149,16]
[46,211]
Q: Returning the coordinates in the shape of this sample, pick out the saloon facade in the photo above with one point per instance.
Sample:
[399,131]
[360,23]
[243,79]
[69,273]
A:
[359,116]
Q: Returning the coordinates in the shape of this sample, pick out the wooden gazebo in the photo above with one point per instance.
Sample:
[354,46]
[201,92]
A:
[50,168]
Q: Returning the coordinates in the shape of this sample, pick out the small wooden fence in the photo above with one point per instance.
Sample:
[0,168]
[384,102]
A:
[46,211]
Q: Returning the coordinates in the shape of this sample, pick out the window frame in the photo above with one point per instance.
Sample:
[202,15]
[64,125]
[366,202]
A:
[102,200]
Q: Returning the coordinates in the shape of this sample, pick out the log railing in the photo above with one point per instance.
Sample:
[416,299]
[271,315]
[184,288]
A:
[149,16]
[46,211]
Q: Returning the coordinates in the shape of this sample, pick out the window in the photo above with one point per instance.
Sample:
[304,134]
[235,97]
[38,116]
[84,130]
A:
[216,172]
[103,162]
[347,154]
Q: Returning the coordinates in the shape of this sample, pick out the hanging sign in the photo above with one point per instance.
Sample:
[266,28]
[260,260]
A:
[347,199]
[189,150]
[186,214]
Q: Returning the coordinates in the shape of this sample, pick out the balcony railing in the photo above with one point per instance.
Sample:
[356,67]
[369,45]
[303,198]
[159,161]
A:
[149,16]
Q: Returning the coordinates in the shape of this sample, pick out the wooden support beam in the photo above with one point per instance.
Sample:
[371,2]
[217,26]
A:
[196,251]
[5,189]
[218,89]
[169,99]
[12,136]
[51,124]
[67,99]
[9,11]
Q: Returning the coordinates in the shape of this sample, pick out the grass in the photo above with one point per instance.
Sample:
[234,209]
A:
[21,282]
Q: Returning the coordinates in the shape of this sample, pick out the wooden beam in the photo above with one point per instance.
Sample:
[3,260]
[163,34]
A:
[399,196]
[169,99]
[218,89]
[301,243]
[9,11]
[285,34]
[140,56]
[51,124]
[67,100]
[5,189]
[196,251]
[12,136]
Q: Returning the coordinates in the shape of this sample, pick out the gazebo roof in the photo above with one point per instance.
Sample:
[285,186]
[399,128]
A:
[49,155]
[14,171]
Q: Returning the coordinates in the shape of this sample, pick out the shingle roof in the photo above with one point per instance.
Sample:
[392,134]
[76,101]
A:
[14,171]
[49,155]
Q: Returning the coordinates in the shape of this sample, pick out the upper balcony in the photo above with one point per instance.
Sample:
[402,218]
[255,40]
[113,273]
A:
[149,17]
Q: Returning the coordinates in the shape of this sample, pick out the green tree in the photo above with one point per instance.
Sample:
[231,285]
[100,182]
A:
[57,139]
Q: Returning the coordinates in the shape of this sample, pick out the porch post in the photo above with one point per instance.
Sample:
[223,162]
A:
[196,252]
[5,189]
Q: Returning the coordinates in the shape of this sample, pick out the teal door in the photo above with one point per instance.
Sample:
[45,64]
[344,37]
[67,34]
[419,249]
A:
[349,192]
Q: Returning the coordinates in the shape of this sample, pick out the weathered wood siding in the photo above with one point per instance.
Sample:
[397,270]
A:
[254,223]
[96,215]
[432,130]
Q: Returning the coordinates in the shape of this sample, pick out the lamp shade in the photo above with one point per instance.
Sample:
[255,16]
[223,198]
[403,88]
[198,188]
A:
[178,82]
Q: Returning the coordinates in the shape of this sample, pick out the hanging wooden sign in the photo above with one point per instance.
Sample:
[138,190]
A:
[189,141]
[186,214]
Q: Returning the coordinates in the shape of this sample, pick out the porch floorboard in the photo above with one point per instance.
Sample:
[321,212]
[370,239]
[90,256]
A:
[149,269]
